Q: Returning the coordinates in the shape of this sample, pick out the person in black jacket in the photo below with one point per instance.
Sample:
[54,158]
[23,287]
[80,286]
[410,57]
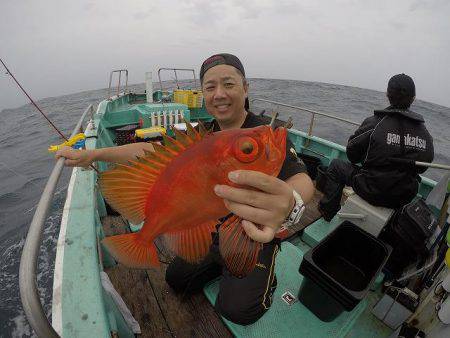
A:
[392,133]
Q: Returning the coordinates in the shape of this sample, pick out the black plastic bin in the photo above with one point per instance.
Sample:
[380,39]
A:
[339,271]
[311,163]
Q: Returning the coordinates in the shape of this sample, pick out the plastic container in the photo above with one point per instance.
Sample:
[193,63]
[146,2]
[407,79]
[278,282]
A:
[195,99]
[191,98]
[365,215]
[151,132]
[181,96]
[339,271]
[311,163]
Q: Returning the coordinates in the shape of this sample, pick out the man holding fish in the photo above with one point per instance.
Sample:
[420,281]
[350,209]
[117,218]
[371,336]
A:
[259,201]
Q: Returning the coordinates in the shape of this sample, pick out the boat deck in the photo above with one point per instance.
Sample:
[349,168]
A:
[161,312]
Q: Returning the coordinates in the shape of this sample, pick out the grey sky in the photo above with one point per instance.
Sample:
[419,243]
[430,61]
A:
[57,47]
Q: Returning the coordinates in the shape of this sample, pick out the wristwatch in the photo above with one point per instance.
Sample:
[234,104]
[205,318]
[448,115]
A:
[296,213]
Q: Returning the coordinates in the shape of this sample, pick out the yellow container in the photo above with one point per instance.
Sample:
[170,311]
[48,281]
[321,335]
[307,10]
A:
[150,132]
[195,99]
[191,98]
[181,96]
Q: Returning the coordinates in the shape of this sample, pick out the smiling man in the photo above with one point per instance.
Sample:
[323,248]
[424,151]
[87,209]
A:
[271,202]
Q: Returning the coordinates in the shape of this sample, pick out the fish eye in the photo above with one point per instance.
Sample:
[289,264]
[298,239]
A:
[247,147]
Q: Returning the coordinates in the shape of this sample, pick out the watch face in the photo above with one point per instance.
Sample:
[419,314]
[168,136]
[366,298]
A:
[297,212]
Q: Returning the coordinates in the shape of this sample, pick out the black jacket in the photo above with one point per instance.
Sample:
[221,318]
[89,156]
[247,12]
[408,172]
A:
[380,181]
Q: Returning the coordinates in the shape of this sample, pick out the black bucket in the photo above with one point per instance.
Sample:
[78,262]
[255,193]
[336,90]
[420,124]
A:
[311,163]
[321,179]
[339,271]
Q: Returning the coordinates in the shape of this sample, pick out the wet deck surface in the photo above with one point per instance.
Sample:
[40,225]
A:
[161,312]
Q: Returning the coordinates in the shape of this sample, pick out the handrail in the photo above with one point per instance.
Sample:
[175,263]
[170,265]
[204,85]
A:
[27,272]
[312,112]
[176,77]
[118,85]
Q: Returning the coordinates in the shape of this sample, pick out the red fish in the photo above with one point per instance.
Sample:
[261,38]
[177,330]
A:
[172,189]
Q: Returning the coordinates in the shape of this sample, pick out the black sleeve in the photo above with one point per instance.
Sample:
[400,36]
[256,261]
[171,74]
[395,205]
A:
[292,165]
[359,142]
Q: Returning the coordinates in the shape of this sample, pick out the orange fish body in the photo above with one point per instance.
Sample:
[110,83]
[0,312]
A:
[173,190]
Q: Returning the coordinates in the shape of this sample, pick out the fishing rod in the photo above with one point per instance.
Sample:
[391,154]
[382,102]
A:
[432,165]
[419,164]
[36,106]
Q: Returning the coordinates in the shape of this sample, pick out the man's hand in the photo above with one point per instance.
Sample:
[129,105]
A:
[75,157]
[268,206]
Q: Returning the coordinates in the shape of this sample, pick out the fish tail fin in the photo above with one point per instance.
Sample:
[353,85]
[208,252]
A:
[132,251]
[239,251]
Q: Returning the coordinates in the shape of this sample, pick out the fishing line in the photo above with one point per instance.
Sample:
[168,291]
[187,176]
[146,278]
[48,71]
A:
[8,72]
[31,100]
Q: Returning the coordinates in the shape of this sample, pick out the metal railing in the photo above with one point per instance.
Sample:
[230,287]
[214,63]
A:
[27,272]
[312,112]
[176,76]
[120,71]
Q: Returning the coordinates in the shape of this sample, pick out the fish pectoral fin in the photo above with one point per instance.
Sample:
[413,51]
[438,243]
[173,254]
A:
[239,252]
[191,244]
[131,251]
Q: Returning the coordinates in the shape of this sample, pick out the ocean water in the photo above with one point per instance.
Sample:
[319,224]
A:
[25,165]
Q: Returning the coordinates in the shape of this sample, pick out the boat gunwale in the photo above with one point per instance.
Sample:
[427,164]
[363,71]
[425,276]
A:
[29,295]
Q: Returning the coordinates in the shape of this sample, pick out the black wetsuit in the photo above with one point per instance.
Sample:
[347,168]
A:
[241,300]
[389,133]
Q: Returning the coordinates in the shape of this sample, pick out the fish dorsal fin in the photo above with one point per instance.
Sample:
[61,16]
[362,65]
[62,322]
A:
[192,133]
[239,251]
[202,129]
[163,153]
[126,187]
[183,138]
[192,244]
[172,144]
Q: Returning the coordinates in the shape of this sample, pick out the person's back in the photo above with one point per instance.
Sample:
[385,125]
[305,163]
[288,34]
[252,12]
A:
[396,133]
[392,133]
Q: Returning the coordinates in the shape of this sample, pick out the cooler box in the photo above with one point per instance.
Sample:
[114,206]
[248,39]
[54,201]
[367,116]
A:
[363,214]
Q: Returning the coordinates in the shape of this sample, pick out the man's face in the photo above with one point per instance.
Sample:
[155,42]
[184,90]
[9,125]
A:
[225,93]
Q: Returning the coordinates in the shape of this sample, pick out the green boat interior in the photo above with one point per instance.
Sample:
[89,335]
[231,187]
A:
[84,307]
